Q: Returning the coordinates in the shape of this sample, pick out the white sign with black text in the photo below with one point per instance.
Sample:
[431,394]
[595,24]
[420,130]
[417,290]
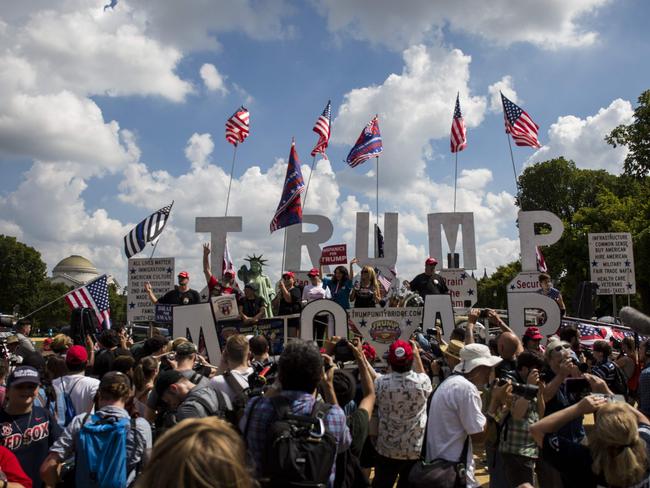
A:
[611,260]
[157,271]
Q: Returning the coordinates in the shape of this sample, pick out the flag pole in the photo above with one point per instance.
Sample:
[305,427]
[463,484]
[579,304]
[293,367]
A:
[284,250]
[304,201]
[156,244]
[232,169]
[44,306]
[512,159]
[455,180]
[377,194]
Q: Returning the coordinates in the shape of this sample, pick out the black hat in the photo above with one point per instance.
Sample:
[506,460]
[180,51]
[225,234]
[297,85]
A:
[166,379]
[345,386]
[23,374]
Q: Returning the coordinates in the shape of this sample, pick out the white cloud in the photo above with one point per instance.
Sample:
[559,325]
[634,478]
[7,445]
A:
[549,25]
[213,80]
[582,140]
[506,86]
[198,149]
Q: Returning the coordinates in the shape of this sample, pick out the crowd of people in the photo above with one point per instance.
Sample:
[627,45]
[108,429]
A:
[109,412]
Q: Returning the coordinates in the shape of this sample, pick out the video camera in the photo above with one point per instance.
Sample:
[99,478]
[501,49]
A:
[524,390]
[263,375]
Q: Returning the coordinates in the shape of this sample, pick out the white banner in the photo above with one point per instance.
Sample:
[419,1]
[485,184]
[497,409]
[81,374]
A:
[611,259]
[157,271]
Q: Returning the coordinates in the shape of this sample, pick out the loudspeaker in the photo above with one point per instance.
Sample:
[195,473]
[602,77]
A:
[83,322]
[583,300]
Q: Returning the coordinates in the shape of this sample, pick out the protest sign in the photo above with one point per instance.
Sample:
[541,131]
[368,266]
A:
[611,260]
[225,307]
[462,289]
[160,273]
[274,329]
[164,313]
[336,254]
[383,326]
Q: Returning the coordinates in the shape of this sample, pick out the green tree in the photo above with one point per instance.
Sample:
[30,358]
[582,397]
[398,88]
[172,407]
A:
[22,271]
[117,302]
[492,291]
[636,137]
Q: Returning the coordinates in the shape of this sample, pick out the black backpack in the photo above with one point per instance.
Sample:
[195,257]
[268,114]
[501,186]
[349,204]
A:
[299,451]
[619,385]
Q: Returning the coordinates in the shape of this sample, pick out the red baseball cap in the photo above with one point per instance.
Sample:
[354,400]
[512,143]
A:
[430,261]
[313,272]
[288,274]
[533,333]
[76,355]
[229,272]
[369,352]
[400,353]
[184,274]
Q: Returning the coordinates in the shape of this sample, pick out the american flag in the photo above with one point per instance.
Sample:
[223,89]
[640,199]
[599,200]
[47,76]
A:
[368,144]
[458,131]
[289,210]
[322,128]
[93,295]
[519,124]
[237,126]
[146,231]
[590,334]
[541,262]
[379,242]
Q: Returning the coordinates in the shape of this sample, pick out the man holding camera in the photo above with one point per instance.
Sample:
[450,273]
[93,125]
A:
[516,445]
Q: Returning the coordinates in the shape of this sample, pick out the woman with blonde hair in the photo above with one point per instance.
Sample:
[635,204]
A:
[618,444]
[198,453]
[366,292]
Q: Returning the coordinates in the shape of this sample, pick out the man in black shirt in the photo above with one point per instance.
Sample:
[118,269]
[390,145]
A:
[429,282]
[289,301]
[182,294]
[251,307]
[26,430]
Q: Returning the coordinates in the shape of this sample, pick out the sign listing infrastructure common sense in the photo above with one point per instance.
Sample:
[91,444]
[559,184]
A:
[611,260]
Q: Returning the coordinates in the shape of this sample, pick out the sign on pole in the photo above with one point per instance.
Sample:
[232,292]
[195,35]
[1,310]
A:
[336,254]
[611,259]
[157,271]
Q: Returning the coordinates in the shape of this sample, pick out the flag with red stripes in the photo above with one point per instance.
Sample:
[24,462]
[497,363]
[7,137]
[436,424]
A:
[519,124]
[322,128]
[541,262]
[93,295]
[227,264]
[458,130]
[237,126]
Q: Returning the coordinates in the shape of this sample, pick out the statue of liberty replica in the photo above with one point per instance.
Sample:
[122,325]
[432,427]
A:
[262,283]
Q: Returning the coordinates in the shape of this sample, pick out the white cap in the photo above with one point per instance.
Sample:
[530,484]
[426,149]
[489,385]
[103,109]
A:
[473,355]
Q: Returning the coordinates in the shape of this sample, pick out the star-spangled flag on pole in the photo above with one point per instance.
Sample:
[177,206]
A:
[146,231]
[237,126]
[458,130]
[289,210]
[322,128]
[368,144]
[93,295]
[519,124]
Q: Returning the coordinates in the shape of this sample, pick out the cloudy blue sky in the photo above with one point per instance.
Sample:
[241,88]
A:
[108,115]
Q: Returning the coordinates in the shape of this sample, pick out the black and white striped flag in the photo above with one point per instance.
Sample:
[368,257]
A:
[146,231]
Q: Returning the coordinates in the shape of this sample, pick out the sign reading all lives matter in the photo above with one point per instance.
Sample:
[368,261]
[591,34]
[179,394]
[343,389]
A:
[157,271]
[611,259]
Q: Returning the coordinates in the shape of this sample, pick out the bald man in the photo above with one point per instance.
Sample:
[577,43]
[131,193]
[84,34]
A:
[509,347]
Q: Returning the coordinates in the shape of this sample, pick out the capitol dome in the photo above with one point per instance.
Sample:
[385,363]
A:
[74,271]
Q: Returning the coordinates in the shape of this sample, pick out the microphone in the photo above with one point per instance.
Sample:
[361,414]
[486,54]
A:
[635,320]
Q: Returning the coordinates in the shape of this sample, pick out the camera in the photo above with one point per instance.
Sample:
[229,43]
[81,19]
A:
[343,351]
[262,375]
[483,314]
[583,367]
[521,389]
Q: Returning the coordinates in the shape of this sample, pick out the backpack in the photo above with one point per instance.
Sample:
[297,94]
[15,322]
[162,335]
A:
[101,452]
[619,385]
[299,450]
[241,396]
[224,409]
[65,410]
[349,473]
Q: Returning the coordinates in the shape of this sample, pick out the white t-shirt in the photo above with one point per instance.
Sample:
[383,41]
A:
[82,390]
[220,383]
[454,414]
[314,292]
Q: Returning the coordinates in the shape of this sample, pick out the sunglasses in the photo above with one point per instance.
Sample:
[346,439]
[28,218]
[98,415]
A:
[563,346]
